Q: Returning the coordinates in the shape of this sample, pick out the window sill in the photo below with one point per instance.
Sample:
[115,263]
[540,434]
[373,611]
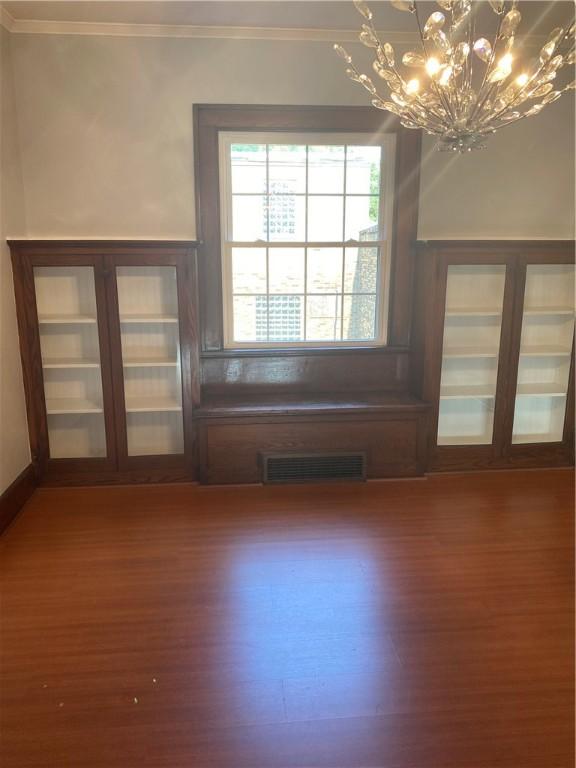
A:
[302,351]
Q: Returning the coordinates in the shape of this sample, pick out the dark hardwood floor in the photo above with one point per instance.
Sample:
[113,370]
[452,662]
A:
[403,624]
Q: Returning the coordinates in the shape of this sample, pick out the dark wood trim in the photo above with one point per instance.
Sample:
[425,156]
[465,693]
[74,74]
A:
[405,228]
[509,393]
[136,476]
[210,119]
[97,245]
[564,249]
[16,495]
[303,352]
[186,288]
[502,403]
[41,449]
[29,340]
[301,405]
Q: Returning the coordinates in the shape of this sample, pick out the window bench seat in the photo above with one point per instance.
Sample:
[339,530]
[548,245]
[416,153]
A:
[234,431]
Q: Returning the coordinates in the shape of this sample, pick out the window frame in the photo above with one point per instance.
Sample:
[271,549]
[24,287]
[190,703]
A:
[387,141]
[211,119]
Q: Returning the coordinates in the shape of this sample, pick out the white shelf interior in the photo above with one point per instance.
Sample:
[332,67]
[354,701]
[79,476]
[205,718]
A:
[472,351]
[59,406]
[465,421]
[152,404]
[549,287]
[544,350]
[473,312]
[466,390]
[478,288]
[150,319]
[543,371]
[545,353]
[76,436]
[538,419]
[154,433]
[66,320]
[539,390]
[144,362]
[148,302]
[69,344]
[471,346]
[550,310]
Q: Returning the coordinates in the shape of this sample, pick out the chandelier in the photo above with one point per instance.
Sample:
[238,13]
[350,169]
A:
[462,86]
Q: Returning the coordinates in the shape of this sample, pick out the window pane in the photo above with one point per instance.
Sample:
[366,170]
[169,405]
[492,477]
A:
[287,168]
[245,318]
[363,170]
[326,169]
[286,217]
[359,318]
[361,270]
[323,321]
[249,217]
[249,270]
[285,318]
[324,270]
[286,270]
[291,192]
[362,218]
[248,163]
[325,216]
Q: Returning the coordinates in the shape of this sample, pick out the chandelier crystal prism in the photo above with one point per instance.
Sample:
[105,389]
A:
[461,86]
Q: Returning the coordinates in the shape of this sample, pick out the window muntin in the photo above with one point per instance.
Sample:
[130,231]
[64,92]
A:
[306,225]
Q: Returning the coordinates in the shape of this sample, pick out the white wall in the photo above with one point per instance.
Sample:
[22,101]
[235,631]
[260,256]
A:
[521,186]
[97,142]
[105,128]
[14,450]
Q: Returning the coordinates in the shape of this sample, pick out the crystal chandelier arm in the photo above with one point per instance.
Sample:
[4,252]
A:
[483,97]
[435,86]
[529,86]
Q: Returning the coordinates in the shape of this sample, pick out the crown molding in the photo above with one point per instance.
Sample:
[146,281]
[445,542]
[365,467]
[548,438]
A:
[6,20]
[106,29]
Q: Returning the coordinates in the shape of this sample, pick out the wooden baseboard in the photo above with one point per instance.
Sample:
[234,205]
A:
[16,495]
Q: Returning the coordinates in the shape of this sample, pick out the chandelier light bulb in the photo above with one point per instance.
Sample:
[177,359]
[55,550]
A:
[413,86]
[468,93]
[433,66]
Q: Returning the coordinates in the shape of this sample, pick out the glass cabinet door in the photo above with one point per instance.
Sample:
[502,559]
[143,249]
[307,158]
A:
[471,347]
[70,349]
[150,339]
[545,354]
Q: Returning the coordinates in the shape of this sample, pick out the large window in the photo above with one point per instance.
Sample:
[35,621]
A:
[306,232]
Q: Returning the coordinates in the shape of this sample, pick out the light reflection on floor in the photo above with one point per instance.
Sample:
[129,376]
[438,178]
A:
[308,619]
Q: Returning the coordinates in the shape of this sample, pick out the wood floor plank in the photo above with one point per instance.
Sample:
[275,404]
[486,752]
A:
[399,624]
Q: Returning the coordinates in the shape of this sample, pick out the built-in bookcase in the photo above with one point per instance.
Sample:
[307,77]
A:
[148,306]
[70,351]
[104,331]
[470,351]
[493,346]
[545,354]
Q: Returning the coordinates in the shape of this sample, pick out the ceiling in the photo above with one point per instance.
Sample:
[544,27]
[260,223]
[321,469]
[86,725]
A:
[539,17]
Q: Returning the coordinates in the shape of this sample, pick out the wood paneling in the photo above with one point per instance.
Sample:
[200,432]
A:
[409,624]
[392,437]
[355,371]
[16,495]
